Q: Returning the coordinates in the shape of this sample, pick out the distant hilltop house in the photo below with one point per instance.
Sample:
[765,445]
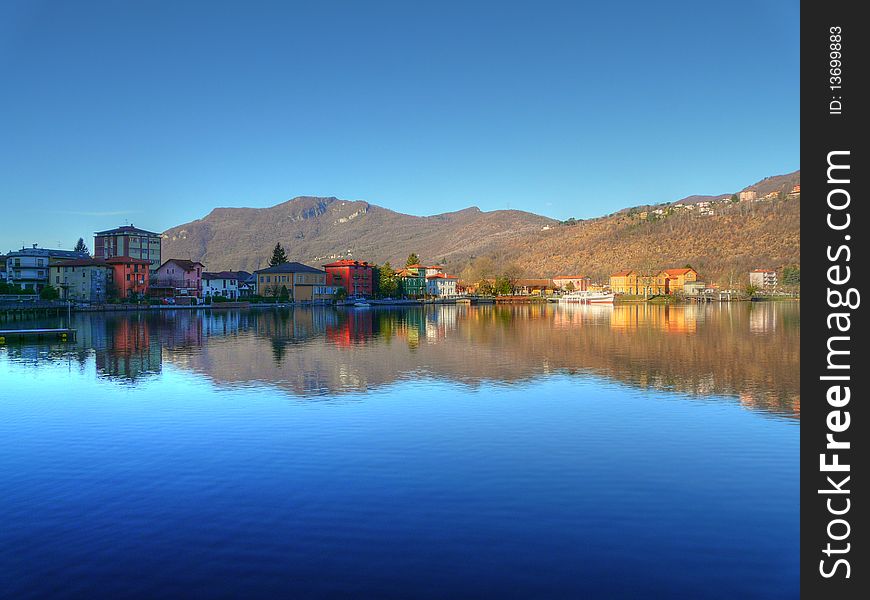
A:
[795,192]
[129,241]
[763,278]
[301,282]
[748,195]
[665,282]
[578,283]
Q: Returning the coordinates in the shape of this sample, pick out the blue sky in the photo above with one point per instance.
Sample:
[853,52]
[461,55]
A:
[156,112]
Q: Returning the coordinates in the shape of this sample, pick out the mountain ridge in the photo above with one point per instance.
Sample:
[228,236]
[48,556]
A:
[316,229]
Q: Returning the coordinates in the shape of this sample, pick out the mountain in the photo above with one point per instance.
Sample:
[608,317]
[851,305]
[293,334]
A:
[315,230]
[734,239]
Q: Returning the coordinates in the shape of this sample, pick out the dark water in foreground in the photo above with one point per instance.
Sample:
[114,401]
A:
[529,451]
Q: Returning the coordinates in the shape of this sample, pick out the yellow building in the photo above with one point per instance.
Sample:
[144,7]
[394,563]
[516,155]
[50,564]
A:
[672,281]
[624,282]
[303,283]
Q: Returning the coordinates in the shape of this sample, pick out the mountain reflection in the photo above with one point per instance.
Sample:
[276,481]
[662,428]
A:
[749,351]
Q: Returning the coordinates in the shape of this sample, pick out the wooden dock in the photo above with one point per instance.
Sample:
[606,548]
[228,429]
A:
[21,335]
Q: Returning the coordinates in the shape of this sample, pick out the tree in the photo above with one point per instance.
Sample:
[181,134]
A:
[734,198]
[81,246]
[503,286]
[388,285]
[791,276]
[49,293]
[569,287]
[279,257]
[750,290]
[284,294]
[413,259]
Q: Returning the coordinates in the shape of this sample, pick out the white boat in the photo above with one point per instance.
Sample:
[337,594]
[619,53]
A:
[588,297]
[361,304]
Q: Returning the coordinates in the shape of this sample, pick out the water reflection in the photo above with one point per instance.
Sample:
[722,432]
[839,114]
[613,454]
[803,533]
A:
[747,351]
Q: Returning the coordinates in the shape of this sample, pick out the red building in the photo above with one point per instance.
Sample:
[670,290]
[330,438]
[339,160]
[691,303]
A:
[354,276]
[130,276]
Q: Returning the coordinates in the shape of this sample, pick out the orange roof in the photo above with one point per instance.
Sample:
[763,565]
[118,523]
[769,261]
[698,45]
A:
[440,276]
[764,271]
[678,271]
[570,277]
[624,273]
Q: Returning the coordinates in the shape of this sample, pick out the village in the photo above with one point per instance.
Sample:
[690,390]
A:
[127,267]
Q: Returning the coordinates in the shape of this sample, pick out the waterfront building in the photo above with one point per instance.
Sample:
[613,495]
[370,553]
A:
[81,279]
[224,284]
[529,287]
[29,267]
[129,241]
[672,281]
[580,283]
[763,278]
[412,281]
[178,277]
[129,277]
[624,282]
[303,283]
[247,284]
[441,285]
[356,277]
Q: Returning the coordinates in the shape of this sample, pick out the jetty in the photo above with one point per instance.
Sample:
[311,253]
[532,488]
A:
[63,334]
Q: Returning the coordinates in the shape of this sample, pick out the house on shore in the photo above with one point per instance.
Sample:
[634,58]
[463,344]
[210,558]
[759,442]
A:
[579,283]
[224,284]
[441,285]
[29,267]
[301,282]
[178,277]
[356,277]
[624,282]
[672,281]
[129,277]
[763,278]
[83,280]
[129,241]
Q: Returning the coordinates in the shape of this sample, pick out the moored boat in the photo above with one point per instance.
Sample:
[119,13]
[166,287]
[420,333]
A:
[588,297]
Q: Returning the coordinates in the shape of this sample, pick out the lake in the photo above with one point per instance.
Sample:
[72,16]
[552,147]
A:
[529,451]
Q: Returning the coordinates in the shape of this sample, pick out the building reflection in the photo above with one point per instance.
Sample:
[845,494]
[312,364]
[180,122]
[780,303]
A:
[746,351]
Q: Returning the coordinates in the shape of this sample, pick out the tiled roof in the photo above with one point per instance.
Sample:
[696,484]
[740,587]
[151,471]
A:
[623,273]
[186,265]
[125,229]
[289,267]
[570,277]
[127,260]
[222,275]
[677,271]
[80,262]
[440,276]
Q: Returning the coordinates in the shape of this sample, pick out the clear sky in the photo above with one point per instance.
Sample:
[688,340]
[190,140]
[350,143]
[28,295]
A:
[155,112]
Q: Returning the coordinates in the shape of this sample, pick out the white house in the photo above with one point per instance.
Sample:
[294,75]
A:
[441,285]
[763,278]
[225,283]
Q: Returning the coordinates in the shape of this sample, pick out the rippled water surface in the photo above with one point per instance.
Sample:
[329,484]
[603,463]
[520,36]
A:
[526,451]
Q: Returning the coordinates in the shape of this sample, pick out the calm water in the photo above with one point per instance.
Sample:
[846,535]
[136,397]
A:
[528,451]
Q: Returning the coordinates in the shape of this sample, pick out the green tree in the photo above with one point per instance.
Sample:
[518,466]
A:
[791,276]
[388,284]
[284,294]
[49,293]
[750,290]
[279,257]
[503,286]
[81,246]
[413,259]
[735,198]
